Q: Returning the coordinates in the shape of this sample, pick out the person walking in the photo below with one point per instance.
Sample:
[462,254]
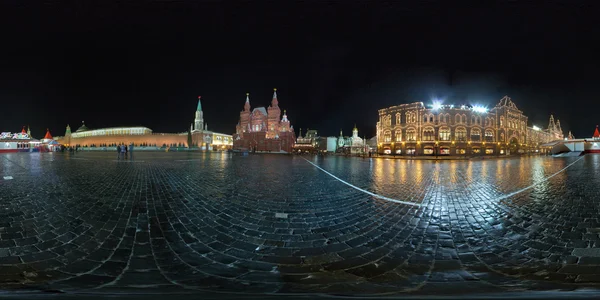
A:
[118,152]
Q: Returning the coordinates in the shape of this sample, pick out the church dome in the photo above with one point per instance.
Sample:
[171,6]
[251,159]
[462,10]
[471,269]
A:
[82,128]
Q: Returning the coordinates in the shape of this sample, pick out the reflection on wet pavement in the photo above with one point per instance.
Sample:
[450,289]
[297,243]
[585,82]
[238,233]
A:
[278,224]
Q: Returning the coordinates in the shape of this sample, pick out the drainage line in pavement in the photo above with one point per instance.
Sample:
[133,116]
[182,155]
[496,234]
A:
[362,190]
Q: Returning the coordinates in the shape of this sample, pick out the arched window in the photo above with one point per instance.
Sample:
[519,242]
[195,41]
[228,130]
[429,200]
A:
[425,118]
[489,135]
[444,134]
[501,121]
[473,120]
[464,119]
[388,120]
[387,136]
[457,119]
[428,134]
[398,136]
[430,118]
[397,118]
[502,137]
[408,117]
[475,134]
[411,134]
[461,134]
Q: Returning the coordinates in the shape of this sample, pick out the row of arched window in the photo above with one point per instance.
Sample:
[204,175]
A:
[411,117]
[444,134]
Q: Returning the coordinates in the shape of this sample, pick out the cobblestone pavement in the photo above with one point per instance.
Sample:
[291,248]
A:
[277,224]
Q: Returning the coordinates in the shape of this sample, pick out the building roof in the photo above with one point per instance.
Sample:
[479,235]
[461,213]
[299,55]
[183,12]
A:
[596,133]
[199,108]
[48,135]
[82,128]
[260,109]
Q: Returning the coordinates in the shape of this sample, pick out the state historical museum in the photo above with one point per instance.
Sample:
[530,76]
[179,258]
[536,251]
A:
[264,129]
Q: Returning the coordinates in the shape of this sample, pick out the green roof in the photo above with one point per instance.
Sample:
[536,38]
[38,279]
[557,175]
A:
[199,106]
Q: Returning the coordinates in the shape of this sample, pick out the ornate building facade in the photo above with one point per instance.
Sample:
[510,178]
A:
[264,129]
[413,129]
[351,144]
[198,136]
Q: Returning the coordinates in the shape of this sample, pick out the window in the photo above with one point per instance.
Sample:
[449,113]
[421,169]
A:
[461,134]
[387,137]
[397,118]
[476,150]
[428,151]
[464,119]
[444,134]
[411,134]
[408,117]
[457,119]
[461,151]
[430,118]
[489,135]
[398,136]
[489,151]
[428,134]
[388,120]
[475,135]
[501,121]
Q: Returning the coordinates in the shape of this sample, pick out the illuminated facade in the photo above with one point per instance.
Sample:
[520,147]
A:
[198,136]
[352,144]
[264,129]
[413,129]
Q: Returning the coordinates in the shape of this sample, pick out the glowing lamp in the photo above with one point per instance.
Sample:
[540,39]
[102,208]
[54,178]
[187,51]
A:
[436,105]
[479,109]
[536,128]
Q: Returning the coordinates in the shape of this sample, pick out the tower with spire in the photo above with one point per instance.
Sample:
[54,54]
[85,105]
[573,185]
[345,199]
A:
[273,116]
[551,124]
[199,119]
[264,128]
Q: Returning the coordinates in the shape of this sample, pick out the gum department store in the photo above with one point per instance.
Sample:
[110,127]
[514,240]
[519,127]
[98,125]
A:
[413,129]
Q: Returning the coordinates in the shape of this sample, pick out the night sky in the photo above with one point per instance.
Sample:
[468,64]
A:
[334,63]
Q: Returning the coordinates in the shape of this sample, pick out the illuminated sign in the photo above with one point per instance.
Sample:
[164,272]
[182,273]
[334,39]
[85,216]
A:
[13,136]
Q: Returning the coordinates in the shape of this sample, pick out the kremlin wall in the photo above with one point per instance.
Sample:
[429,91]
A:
[198,136]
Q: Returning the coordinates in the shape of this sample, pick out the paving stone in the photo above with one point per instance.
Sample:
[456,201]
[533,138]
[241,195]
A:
[173,225]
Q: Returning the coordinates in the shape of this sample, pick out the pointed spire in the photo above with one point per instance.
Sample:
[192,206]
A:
[247,104]
[274,102]
[284,119]
[199,108]
[596,133]
[551,125]
[300,135]
[28,131]
[23,130]
[48,136]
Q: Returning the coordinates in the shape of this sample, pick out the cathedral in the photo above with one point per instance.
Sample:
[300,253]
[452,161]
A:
[264,129]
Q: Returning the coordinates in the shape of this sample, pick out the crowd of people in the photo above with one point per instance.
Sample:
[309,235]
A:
[124,152]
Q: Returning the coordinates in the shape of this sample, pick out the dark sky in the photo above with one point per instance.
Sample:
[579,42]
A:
[334,63]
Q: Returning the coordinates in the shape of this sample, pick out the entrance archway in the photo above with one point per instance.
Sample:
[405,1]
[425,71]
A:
[514,145]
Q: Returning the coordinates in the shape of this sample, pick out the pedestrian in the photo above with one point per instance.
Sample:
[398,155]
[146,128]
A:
[131,151]
[122,151]
[125,146]
[118,152]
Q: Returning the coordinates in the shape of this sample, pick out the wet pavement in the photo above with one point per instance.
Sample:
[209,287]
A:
[180,223]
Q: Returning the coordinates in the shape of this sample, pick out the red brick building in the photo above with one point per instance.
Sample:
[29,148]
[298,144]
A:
[264,129]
